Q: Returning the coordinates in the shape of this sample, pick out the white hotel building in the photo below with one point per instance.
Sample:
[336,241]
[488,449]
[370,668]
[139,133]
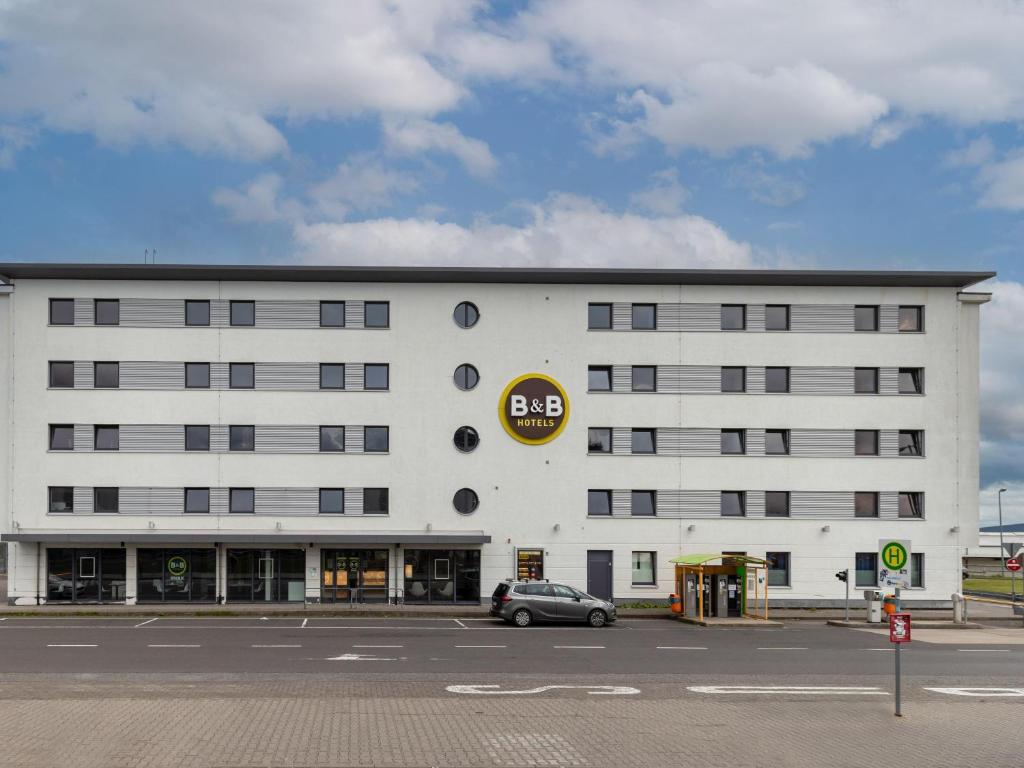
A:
[240,434]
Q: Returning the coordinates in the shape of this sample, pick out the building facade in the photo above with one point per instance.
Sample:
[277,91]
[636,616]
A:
[240,434]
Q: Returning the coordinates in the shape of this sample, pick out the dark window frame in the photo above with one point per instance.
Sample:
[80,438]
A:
[49,499]
[231,375]
[185,498]
[858,497]
[786,496]
[332,304]
[387,314]
[462,374]
[857,311]
[600,304]
[785,442]
[463,320]
[654,568]
[241,303]
[96,436]
[384,494]
[197,303]
[643,494]
[328,492]
[873,435]
[916,442]
[920,318]
[231,500]
[865,557]
[195,386]
[731,431]
[772,568]
[602,369]
[327,366]
[916,376]
[767,314]
[470,496]
[729,325]
[604,493]
[320,434]
[654,378]
[61,303]
[857,390]
[590,449]
[50,377]
[460,441]
[387,436]
[185,433]
[917,561]
[654,441]
[633,316]
[387,371]
[915,503]
[100,490]
[743,382]
[767,370]
[741,498]
[231,429]
[96,311]
[96,374]
[53,432]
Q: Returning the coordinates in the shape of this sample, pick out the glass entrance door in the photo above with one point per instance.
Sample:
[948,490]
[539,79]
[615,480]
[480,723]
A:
[354,576]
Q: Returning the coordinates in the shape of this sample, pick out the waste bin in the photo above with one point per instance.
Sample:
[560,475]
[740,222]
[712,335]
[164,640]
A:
[889,605]
[874,601]
[675,603]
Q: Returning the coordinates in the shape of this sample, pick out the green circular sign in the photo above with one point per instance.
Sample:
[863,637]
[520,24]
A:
[894,555]
[177,565]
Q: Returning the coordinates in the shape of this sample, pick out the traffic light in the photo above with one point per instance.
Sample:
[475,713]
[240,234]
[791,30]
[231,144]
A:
[843,575]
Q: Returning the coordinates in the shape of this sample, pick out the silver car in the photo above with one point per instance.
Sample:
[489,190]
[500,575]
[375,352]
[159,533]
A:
[524,602]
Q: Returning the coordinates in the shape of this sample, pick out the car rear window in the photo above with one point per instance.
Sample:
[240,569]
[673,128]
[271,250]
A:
[501,590]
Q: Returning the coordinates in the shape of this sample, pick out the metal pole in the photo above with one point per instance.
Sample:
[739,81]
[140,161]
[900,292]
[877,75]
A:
[1002,548]
[899,712]
[846,607]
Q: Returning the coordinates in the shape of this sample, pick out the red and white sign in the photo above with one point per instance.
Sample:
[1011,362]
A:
[1013,564]
[899,628]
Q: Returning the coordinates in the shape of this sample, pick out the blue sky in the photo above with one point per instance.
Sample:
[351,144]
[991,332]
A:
[562,132]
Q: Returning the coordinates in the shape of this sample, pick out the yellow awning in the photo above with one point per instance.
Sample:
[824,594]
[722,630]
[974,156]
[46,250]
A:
[707,558]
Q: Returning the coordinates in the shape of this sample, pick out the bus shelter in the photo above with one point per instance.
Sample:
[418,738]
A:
[721,586]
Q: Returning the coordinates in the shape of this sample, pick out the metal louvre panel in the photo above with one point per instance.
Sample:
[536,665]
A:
[755,442]
[889,442]
[755,379]
[152,313]
[675,441]
[354,439]
[622,316]
[821,442]
[84,373]
[137,374]
[622,440]
[691,317]
[353,501]
[355,376]
[280,438]
[690,503]
[287,501]
[151,501]
[220,438]
[889,505]
[622,378]
[755,317]
[355,314]
[622,503]
[220,375]
[754,502]
[82,499]
[152,438]
[85,437]
[821,318]
[288,314]
[292,377]
[888,381]
[821,380]
[824,505]
[84,311]
[692,379]
[220,501]
[220,313]
[889,318]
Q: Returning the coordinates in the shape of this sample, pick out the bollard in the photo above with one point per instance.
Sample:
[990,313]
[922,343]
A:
[959,609]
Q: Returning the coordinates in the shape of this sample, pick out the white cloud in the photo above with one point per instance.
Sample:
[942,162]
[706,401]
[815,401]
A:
[665,196]
[417,136]
[765,187]
[362,183]
[978,152]
[1003,183]
[257,202]
[13,139]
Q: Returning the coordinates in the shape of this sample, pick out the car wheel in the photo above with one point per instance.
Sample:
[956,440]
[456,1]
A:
[597,618]
[522,618]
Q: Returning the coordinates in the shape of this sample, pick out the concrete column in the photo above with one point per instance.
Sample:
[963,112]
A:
[313,574]
[131,575]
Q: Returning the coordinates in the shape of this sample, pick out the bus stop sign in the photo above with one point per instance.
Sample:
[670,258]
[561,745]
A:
[894,563]
[899,628]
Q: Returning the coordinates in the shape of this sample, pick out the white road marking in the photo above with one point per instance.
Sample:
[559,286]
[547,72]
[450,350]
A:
[460,623]
[994,692]
[579,647]
[378,646]
[357,657]
[144,623]
[983,650]
[481,646]
[304,621]
[781,648]
[276,646]
[593,690]
[682,648]
[167,645]
[850,690]
[875,649]
[71,645]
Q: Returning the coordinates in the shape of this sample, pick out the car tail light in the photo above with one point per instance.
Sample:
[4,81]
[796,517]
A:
[506,599]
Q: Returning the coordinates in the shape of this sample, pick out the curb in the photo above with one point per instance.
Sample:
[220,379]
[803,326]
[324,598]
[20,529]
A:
[921,624]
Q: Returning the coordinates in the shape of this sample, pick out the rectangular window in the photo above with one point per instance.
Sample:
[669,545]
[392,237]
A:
[243,313]
[776,379]
[776,503]
[776,317]
[778,568]
[197,312]
[599,440]
[62,374]
[911,381]
[332,439]
[734,441]
[242,501]
[643,503]
[917,569]
[865,318]
[865,504]
[866,569]
[332,501]
[911,504]
[332,376]
[62,498]
[107,437]
[62,437]
[242,375]
[643,569]
[734,379]
[332,314]
[62,311]
[734,317]
[242,438]
[377,314]
[643,441]
[376,376]
[375,501]
[375,440]
[645,317]
[197,375]
[197,437]
[776,442]
[865,381]
[599,503]
[911,442]
[733,504]
[197,501]
[865,442]
[645,378]
[106,375]
[911,319]
[107,312]
[599,317]
[105,500]
[599,378]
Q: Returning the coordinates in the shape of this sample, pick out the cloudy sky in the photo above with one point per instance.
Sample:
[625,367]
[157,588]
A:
[564,132]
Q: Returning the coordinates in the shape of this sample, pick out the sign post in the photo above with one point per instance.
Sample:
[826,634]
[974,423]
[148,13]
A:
[894,565]
[899,633]
[1013,565]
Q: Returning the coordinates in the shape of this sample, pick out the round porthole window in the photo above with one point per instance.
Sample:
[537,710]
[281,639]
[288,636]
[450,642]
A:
[466,314]
[466,376]
[466,501]
[466,439]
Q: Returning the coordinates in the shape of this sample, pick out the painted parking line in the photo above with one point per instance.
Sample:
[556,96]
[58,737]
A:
[496,690]
[782,648]
[378,646]
[275,646]
[460,623]
[304,623]
[983,650]
[168,645]
[481,646]
[580,647]
[994,692]
[72,645]
[682,648]
[144,623]
[807,690]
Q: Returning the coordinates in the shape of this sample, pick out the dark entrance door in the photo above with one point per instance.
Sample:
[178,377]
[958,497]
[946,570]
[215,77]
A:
[599,573]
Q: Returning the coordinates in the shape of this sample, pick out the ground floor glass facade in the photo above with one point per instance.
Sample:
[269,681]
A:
[442,576]
[271,575]
[177,575]
[85,575]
